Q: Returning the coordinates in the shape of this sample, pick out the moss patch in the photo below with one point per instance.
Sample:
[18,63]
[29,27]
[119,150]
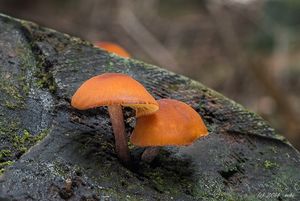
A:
[26,140]
[11,96]
[7,127]
[19,145]
[4,154]
[269,164]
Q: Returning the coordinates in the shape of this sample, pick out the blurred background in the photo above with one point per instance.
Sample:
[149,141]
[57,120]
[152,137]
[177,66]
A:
[249,50]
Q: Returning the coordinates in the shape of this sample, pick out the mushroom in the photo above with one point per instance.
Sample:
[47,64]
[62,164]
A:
[113,48]
[115,90]
[175,123]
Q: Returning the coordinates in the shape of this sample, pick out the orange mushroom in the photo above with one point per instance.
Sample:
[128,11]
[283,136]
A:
[115,90]
[113,48]
[175,123]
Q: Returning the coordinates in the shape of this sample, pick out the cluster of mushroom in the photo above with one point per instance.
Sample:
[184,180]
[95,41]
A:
[159,123]
[113,48]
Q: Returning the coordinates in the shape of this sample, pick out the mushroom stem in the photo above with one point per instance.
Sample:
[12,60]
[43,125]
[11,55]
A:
[117,120]
[149,154]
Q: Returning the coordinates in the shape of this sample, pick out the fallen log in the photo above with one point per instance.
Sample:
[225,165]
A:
[50,151]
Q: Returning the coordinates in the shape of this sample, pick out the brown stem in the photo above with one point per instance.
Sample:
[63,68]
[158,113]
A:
[117,120]
[149,154]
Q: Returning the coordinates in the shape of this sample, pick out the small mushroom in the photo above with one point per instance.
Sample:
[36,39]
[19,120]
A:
[174,124]
[113,48]
[115,90]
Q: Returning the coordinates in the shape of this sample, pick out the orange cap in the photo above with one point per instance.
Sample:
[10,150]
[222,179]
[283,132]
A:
[114,48]
[114,89]
[175,123]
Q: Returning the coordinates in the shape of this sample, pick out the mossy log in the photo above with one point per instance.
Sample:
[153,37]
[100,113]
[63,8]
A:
[50,151]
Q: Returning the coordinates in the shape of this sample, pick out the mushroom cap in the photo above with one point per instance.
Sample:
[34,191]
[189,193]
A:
[114,48]
[175,123]
[114,89]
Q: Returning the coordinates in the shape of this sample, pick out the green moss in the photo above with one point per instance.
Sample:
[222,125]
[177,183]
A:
[77,40]
[163,179]
[110,66]
[9,127]
[34,65]
[6,163]
[3,165]
[273,149]
[26,140]
[20,144]
[7,130]
[269,164]
[44,77]
[41,135]
[26,57]
[11,96]
[10,89]
[156,178]
[15,89]
[12,105]
[4,154]
[27,64]
[24,85]
[130,145]
[45,80]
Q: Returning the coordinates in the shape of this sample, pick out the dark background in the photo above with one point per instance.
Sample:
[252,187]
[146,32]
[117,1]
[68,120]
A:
[248,50]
